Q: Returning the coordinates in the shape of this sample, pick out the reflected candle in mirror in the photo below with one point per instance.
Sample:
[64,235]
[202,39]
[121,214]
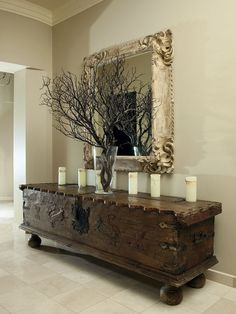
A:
[114,180]
[98,180]
[191,189]
[61,175]
[82,177]
[155,185]
[133,182]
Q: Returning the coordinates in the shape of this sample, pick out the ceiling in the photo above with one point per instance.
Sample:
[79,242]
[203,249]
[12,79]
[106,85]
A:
[49,4]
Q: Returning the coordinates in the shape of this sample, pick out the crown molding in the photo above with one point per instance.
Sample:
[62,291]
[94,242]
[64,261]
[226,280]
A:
[72,8]
[27,9]
[36,12]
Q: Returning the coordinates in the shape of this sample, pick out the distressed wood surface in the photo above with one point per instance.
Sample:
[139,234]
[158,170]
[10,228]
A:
[186,213]
[165,238]
[174,280]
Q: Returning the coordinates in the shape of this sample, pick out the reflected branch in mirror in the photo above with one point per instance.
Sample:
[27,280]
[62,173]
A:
[91,111]
[156,138]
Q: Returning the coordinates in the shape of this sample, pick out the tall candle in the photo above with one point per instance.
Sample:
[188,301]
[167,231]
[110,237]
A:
[155,185]
[114,180]
[98,180]
[191,189]
[133,182]
[62,175]
[82,177]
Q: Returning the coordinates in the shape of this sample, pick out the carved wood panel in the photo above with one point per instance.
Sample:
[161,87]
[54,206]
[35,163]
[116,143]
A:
[167,239]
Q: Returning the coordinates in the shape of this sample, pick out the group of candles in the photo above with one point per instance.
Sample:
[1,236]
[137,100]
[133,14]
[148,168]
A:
[155,183]
[82,177]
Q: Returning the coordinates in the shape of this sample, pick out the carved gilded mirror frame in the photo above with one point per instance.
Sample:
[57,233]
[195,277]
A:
[162,156]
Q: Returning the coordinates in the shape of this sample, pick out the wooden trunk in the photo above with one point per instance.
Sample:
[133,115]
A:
[164,238]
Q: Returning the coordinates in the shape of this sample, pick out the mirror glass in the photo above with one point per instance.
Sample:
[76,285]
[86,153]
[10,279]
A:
[136,140]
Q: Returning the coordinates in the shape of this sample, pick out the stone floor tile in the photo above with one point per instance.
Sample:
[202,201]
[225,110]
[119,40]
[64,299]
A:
[21,299]
[110,284]
[231,295]
[55,285]
[137,298]
[10,283]
[222,306]
[80,299]
[3,311]
[108,307]
[48,307]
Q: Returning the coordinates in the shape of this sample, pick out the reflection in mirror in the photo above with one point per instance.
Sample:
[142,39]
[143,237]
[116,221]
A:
[152,57]
[134,133]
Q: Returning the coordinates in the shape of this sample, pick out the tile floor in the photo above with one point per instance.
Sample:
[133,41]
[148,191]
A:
[54,281]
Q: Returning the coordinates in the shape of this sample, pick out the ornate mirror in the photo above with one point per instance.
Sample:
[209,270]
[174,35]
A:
[152,56]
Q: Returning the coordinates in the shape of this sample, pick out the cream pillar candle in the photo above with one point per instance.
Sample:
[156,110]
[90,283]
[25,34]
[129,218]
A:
[191,189]
[98,180]
[82,177]
[133,182]
[114,180]
[62,175]
[155,185]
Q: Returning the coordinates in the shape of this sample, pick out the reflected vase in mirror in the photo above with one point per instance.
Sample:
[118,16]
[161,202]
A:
[104,163]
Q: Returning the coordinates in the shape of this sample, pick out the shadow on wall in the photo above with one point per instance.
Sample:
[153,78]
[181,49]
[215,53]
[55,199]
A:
[71,40]
[222,189]
[190,81]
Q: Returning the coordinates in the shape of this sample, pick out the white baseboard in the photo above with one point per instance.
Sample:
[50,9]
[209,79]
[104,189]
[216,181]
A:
[224,278]
[6,198]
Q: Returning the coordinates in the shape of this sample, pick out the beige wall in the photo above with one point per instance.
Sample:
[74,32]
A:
[204,82]
[32,135]
[25,41]
[6,140]
[28,42]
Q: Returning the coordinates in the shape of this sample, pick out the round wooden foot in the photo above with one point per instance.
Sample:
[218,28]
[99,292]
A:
[171,295]
[34,241]
[197,282]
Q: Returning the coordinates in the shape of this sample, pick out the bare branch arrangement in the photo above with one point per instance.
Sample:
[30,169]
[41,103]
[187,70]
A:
[91,111]
[138,127]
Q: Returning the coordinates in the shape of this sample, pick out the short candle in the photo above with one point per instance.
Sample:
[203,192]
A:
[133,182]
[114,180]
[191,189]
[61,175]
[155,185]
[82,177]
[98,180]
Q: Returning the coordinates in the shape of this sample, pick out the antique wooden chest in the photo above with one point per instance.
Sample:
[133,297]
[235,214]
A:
[166,238]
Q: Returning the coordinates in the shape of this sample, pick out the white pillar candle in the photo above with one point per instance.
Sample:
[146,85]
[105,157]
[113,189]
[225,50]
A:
[82,177]
[191,189]
[133,182]
[155,185]
[62,175]
[98,181]
[114,180]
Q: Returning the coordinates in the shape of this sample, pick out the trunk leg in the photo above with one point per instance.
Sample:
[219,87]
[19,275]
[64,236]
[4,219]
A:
[34,241]
[171,295]
[197,282]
